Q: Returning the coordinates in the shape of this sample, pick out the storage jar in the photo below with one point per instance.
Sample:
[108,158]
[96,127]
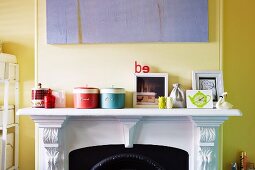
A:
[112,98]
[86,97]
[38,94]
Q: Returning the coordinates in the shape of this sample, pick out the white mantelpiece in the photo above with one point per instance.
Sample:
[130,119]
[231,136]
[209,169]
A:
[193,130]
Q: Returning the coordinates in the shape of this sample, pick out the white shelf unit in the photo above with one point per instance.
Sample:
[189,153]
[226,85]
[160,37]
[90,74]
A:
[9,81]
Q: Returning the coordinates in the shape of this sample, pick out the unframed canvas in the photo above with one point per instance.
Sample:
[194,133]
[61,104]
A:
[115,21]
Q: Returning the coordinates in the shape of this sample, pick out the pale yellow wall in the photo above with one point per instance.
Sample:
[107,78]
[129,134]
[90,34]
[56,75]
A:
[106,64]
[17,31]
[97,65]
[239,69]
[103,65]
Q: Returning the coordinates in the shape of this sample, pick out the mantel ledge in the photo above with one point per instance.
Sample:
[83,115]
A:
[130,112]
[50,121]
[129,116]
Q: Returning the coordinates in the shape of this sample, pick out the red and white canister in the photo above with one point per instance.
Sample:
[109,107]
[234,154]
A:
[86,97]
[38,94]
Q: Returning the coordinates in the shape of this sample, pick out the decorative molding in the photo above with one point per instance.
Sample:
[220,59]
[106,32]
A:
[208,148]
[209,121]
[207,135]
[50,135]
[50,140]
[53,157]
[203,124]
[51,126]
[207,158]
[49,121]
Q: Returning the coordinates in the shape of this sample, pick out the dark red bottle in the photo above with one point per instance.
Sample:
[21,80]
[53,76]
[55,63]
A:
[49,100]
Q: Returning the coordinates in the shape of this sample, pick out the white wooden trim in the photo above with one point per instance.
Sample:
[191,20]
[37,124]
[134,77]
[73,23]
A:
[5,118]
[204,122]
[129,112]
[11,76]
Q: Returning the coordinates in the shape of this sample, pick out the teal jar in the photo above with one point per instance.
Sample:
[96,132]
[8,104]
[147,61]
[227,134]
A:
[112,98]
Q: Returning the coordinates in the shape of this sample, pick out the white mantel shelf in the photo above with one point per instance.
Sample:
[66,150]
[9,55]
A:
[193,130]
[129,112]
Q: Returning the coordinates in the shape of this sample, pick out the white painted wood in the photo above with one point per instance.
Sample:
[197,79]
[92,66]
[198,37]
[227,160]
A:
[129,112]
[11,75]
[185,129]
[215,121]
[9,150]
[5,119]
[2,70]
[11,113]
[50,155]
[7,58]
[8,71]
[207,153]
[129,126]
[16,151]
[9,126]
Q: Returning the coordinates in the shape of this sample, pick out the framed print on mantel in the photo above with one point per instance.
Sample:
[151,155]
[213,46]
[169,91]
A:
[148,87]
[209,80]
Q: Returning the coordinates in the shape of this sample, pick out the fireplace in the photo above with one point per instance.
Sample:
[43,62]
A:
[117,157]
[65,132]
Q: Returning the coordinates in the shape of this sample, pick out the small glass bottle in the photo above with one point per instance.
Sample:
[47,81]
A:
[234,166]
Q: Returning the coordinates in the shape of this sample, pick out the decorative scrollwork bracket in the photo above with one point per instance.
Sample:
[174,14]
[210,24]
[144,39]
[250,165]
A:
[207,150]
[51,140]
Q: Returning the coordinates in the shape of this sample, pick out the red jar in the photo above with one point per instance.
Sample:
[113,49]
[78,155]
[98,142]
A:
[49,100]
[86,97]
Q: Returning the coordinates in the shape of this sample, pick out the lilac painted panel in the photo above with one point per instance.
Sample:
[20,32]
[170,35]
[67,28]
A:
[62,22]
[113,21]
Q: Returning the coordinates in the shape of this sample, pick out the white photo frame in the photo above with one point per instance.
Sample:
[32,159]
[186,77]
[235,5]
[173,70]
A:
[148,87]
[209,80]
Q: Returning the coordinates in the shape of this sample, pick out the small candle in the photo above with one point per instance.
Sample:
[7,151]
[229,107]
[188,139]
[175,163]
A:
[161,102]
[169,102]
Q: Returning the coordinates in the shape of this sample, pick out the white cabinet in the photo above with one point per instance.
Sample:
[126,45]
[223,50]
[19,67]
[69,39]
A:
[9,104]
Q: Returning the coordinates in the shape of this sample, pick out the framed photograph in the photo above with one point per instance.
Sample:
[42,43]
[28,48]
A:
[208,80]
[148,87]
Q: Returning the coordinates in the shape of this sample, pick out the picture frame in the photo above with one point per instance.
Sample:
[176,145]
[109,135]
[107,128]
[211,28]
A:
[148,87]
[209,80]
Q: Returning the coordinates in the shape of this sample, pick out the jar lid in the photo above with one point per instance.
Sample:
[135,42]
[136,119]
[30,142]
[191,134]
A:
[86,90]
[39,87]
[113,90]
[36,88]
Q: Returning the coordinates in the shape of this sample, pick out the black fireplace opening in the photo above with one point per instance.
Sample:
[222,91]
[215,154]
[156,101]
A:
[117,157]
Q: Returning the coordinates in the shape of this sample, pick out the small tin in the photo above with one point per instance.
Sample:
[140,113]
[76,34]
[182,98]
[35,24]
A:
[112,98]
[86,97]
[38,96]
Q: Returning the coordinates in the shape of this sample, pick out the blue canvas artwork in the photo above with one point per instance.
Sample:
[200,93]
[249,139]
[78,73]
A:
[120,21]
